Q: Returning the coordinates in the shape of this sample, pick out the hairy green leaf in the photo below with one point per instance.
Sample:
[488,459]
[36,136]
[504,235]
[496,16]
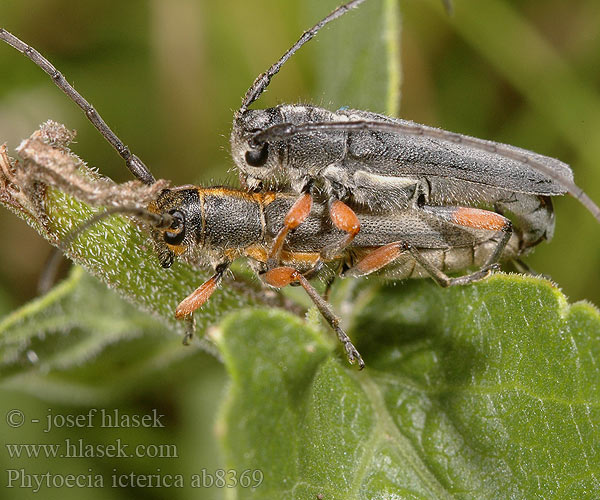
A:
[82,343]
[485,391]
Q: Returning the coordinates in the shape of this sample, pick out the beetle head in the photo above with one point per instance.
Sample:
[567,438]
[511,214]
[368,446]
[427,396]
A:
[181,204]
[256,161]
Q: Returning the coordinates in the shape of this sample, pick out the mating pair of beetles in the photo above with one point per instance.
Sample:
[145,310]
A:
[347,192]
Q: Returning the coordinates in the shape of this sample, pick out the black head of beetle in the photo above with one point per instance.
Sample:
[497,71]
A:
[256,161]
[182,205]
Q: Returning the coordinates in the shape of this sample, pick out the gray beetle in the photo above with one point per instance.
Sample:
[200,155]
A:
[406,200]
[383,164]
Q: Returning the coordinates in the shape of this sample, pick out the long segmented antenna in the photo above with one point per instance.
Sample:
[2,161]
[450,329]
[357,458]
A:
[287,130]
[159,221]
[134,164]
[262,82]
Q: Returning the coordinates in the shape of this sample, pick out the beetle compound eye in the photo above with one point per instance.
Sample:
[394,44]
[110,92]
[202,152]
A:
[258,157]
[176,232]
[178,221]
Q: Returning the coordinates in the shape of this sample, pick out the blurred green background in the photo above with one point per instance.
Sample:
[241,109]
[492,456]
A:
[168,75]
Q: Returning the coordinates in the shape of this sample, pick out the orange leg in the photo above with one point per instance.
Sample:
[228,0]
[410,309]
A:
[344,218]
[283,276]
[474,218]
[295,216]
[197,298]
[378,258]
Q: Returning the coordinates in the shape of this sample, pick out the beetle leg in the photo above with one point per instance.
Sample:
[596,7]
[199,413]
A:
[345,219]
[377,259]
[296,215]
[463,216]
[473,218]
[342,216]
[314,271]
[197,299]
[443,279]
[524,268]
[330,280]
[190,328]
[283,276]
[476,218]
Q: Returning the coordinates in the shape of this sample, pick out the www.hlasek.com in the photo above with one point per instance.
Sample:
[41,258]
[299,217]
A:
[79,448]
[218,478]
